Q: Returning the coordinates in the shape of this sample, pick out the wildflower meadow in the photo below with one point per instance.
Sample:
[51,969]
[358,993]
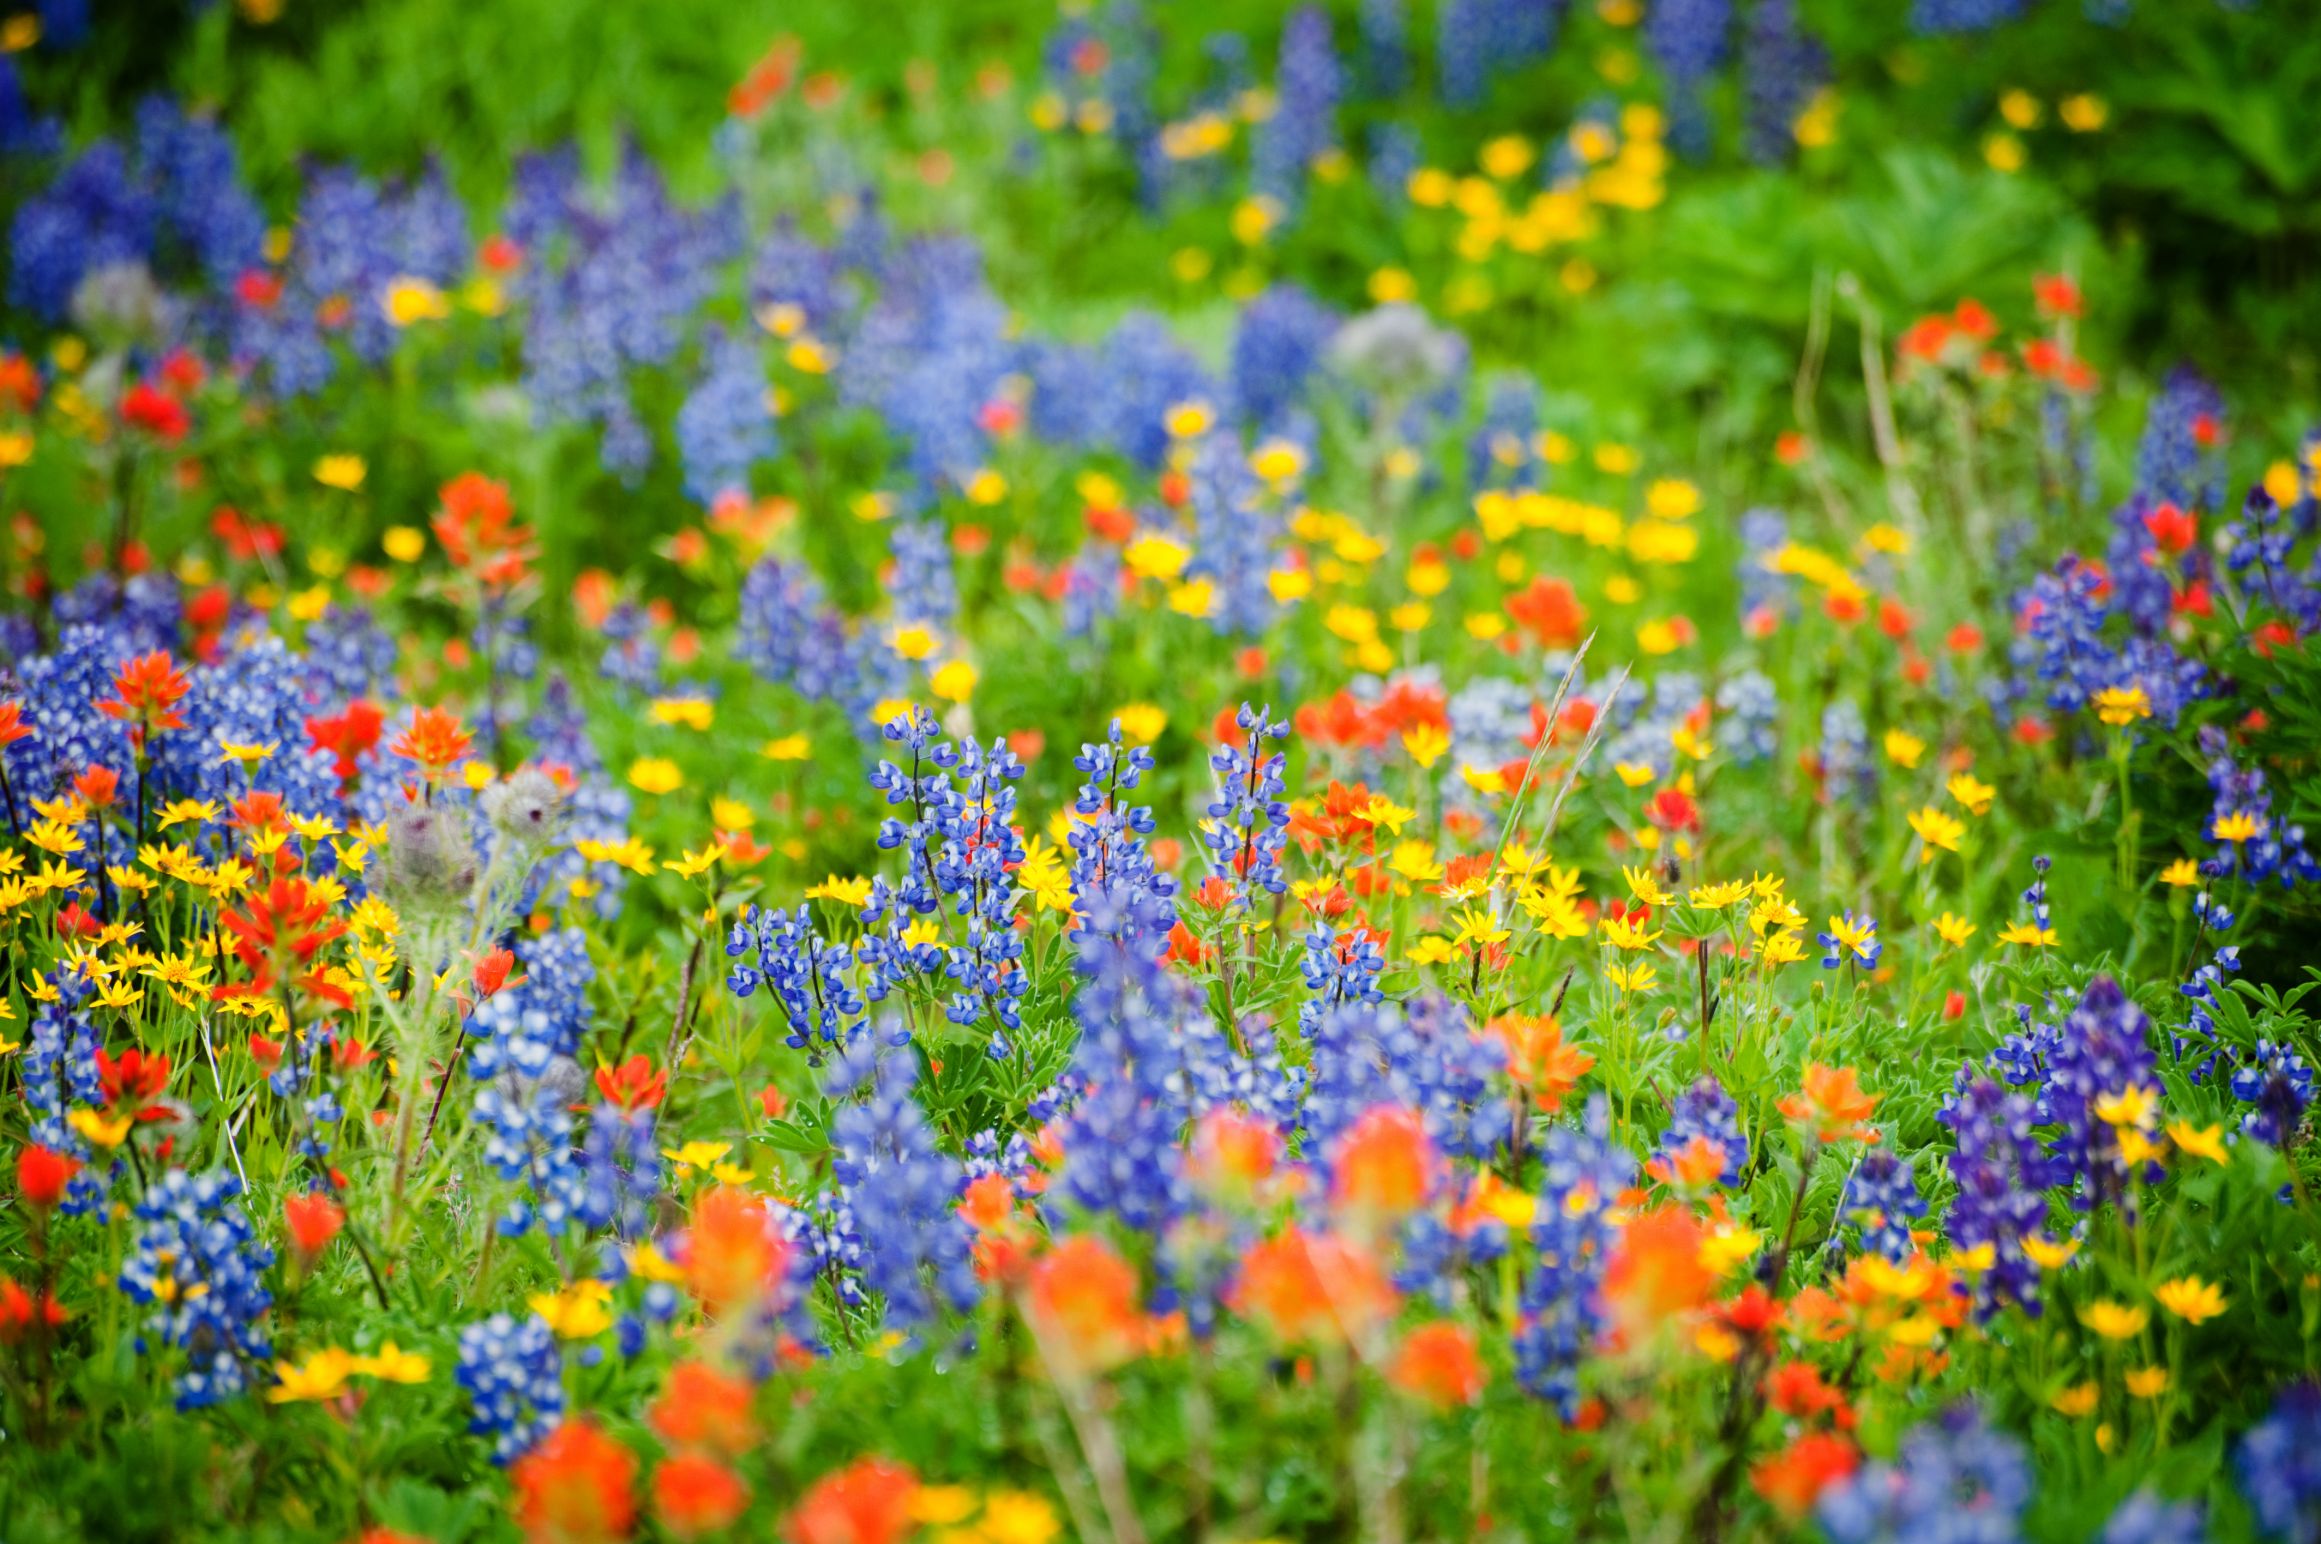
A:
[1160,770]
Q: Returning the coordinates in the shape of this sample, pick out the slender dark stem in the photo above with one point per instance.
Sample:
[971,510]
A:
[443,1083]
[1701,954]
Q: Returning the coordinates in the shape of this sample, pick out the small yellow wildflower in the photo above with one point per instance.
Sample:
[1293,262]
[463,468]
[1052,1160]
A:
[2191,1299]
[2114,1321]
[655,775]
[2200,1141]
[1953,930]
[1937,830]
[2120,706]
[953,680]
[343,472]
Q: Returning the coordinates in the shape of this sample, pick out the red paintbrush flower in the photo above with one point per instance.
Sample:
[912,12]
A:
[435,739]
[479,532]
[147,407]
[41,1175]
[281,930]
[348,733]
[694,1494]
[868,1502]
[18,1311]
[491,972]
[134,1082]
[146,692]
[313,1219]
[98,787]
[633,1085]
[576,1487]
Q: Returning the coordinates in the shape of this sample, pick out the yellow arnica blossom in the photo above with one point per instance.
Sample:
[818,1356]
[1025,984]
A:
[953,680]
[2137,1105]
[1478,926]
[2191,1299]
[693,865]
[1636,978]
[581,1311]
[628,852]
[2120,706]
[1719,896]
[1433,949]
[107,1131]
[1856,938]
[2200,1141]
[1785,948]
[2084,113]
[2239,826]
[2048,1254]
[1142,722]
[2078,1400]
[1937,830]
[411,300]
[655,774]
[1153,556]
[343,472]
[2028,935]
[1644,887]
[1044,875]
[915,641]
[847,892]
[942,1505]
[1187,420]
[1969,791]
[2115,1321]
[691,712]
[1426,744]
[1625,933]
[1018,1517]
[1416,862]
[321,1376]
[2180,874]
[1277,461]
[1953,930]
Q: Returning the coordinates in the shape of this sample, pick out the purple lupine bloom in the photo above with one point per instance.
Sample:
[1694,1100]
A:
[1280,341]
[2279,1464]
[1879,1202]
[1957,1480]
[2003,1171]
[1782,66]
[196,1261]
[917,1252]
[724,427]
[1563,1313]
[1688,39]
[2172,463]
[1249,822]
[514,1377]
[1706,1111]
[1304,126]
